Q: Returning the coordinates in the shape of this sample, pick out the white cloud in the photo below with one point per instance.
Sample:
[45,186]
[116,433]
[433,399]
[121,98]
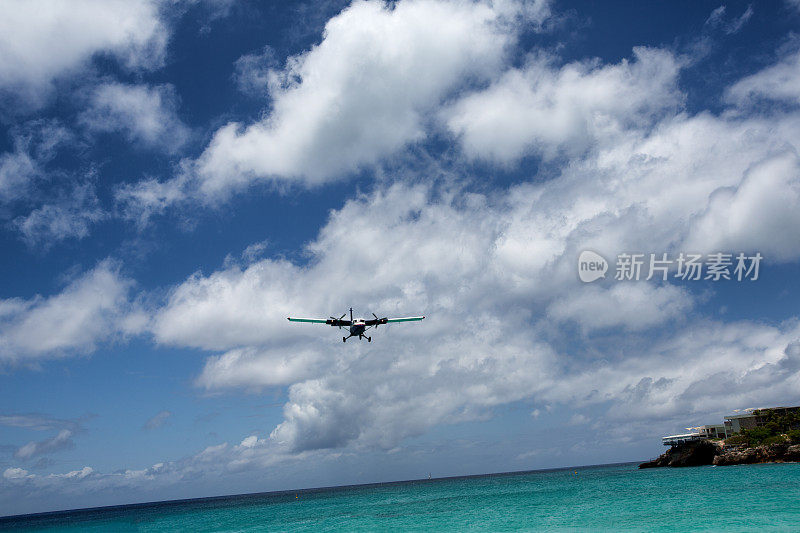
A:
[239,307]
[254,71]
[49,203]
[35,144]
[71,218]
[140,201]
[737,24]
[62,441]
[777,82]
[37,422]
[362,93]
[17,169]
[630,306]
[491,271]
[43,39]
[704,368]
[91,308]
[717,20]
[204,466]
[707,367]
[698,372]
[84,472]
[15,473]
[249,442]
[578,419]
[157,420]
[756,214]
[144,114]
[716,16]
[208,10]
[547,110]
[486,270]
[253,367]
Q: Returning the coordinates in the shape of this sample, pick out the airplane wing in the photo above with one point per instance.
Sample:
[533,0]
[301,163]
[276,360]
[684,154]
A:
[379,321]
[405,319]
[329,321]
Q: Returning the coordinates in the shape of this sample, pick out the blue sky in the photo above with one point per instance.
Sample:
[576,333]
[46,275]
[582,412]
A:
[177,177]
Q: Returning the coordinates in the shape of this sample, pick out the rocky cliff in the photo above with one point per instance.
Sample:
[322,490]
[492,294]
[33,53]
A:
[706,452]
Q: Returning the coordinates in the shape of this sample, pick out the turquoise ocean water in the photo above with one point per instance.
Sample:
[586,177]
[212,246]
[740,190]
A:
[598,498]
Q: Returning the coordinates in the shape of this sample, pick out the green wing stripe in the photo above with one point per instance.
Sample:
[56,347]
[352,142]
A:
[314,320]
[406,319]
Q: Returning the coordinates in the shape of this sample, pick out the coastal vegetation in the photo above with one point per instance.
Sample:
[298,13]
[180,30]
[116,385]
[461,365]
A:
[775,439]
[777,428]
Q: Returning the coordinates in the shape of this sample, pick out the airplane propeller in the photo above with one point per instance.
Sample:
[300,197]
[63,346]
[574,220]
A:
[338,323]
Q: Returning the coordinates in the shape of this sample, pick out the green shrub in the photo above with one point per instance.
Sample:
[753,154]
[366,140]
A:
[774,427]
[775,439]
[737,440]
[758,435]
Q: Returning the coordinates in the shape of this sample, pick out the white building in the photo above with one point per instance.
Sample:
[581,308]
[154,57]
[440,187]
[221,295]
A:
[672,440]
[742,420]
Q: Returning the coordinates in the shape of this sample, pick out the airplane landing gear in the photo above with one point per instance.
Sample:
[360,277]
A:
[369,339]
[344,339]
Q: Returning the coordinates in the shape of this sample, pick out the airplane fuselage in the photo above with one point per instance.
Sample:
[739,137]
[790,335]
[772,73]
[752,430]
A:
[358,327]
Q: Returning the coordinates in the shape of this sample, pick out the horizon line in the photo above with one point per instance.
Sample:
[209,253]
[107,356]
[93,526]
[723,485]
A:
[178,501]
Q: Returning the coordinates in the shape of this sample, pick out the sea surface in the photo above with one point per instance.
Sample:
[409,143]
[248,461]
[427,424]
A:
[598,498]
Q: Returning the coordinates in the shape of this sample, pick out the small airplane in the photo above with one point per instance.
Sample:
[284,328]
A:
[356,326]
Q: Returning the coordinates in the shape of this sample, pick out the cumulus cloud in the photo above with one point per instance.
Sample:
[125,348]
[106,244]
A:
[381,403]
[259,367]
[492,272]
[43,39]
[209,463]
[92,308]
[247,306]
[630,306]
[144,114]
[75,474]
[755,214]
[362,93]
[460,260]
[706,367]
[547,110]
[15,473]
[778,82]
